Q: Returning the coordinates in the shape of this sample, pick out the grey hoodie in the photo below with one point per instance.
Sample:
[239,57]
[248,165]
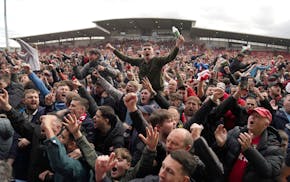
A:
[6,137]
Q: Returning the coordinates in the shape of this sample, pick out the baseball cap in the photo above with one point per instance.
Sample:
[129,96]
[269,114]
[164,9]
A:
[262,112]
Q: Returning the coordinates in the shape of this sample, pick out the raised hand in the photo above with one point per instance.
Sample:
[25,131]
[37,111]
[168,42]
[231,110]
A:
[101,68]
[47,124]
[50,98]
[245,139]
[221,135]
[72,124]
[76,83]
[218,93]
[196,130]
[109,46]
[180,41]
[147,85]
[130,101]
[4,101]
[104,163]
[227,69]
[26,67]
[151,139]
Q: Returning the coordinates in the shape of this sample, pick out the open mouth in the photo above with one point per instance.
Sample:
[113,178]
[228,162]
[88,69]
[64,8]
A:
[251,122]
[147,54]
[114,169]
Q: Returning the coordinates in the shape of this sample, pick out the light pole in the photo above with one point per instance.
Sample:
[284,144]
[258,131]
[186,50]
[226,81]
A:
[6,29]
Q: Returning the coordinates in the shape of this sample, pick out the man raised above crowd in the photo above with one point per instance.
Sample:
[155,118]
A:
[149,65]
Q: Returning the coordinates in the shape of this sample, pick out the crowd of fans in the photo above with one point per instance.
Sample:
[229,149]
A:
[144,111]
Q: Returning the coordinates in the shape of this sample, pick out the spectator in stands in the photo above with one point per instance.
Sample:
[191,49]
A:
[237,66]
[58,143]
[192,105]
[177,166]
[109,134]
[96,63]
[32,113]
[38,158]
[15,90]
[253,152]
[275,91]
[79,106]
[150,66]
[121,159]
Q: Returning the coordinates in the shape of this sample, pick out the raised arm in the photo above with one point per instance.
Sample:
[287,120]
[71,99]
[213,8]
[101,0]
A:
[133,61]
[86,148]
[36,80]
[26,46]
[85,94]
[139,123]
[18,122]
[110,89]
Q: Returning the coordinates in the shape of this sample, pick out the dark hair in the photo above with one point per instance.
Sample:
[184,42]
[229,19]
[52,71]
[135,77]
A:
[84,102]
[186,160]
[108,113]
[158,117]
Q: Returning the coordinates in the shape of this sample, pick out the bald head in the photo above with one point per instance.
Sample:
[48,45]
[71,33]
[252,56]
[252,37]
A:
[179,138]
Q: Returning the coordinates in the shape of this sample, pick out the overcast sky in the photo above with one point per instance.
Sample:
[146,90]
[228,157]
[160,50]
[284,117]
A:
[32,17]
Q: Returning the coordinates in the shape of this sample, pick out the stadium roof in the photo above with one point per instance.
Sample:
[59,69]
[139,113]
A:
[89,32]
[106,27]
[201,32]
[145,24]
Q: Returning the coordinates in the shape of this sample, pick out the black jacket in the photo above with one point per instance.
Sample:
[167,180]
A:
[112,140]
[38,157]
[264,161]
